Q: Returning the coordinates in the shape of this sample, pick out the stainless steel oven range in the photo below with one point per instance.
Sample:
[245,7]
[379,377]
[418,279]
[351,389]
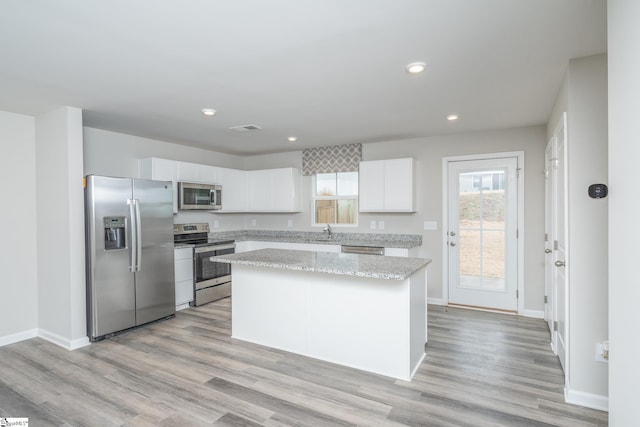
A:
[212,280]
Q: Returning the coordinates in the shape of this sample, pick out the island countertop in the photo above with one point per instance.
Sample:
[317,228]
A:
[371,266]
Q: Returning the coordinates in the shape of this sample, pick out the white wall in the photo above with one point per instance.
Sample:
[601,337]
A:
[584,97]
[624,211]
[60,224]
[18,256]
[429,153]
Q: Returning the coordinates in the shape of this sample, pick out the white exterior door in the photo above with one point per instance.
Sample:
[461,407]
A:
[482,233]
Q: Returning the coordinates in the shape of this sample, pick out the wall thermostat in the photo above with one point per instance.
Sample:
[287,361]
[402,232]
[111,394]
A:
[598,191]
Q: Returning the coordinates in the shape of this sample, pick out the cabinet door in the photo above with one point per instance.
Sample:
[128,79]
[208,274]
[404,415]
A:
[285,189]
[371,192]
[208,174]
[399,185]
[161,170]
[260,191]
[187,172]
[234,189]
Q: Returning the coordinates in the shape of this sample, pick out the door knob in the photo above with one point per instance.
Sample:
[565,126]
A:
[547,251]
[560,263]
[452,243]
[453,233]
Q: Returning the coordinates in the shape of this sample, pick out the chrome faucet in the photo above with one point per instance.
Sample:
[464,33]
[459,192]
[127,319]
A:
[328,230]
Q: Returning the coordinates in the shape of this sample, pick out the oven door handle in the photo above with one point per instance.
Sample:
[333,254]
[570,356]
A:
[213,248]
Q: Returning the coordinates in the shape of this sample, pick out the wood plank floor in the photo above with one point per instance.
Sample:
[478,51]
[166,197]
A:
[481,369]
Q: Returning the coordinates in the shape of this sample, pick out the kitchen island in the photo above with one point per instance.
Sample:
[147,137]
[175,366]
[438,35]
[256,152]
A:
[363,311]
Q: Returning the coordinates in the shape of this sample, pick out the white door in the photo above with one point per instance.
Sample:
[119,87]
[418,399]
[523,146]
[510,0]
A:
[549,237]
[560,239]
[482,233]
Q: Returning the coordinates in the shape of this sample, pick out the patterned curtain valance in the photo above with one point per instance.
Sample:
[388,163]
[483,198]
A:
[337,158]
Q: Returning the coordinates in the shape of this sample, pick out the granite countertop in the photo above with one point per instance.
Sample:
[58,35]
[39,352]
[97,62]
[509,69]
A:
[403,241]
[371,266]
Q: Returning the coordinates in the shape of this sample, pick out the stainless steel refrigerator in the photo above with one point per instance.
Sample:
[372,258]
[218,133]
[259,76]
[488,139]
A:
[129,245]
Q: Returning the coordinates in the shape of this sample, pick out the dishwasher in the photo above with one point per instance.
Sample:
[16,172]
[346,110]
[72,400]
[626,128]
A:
[362,250]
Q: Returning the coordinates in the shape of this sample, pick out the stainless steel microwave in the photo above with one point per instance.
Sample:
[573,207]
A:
[192,196]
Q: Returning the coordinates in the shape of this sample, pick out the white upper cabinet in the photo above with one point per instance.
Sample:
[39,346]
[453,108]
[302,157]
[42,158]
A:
[268,190]
[161,170]
[234,190]
[274,190]
[387,185]
[193,172]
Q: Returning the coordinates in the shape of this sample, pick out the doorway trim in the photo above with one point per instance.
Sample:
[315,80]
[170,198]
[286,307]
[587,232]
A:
[520,220]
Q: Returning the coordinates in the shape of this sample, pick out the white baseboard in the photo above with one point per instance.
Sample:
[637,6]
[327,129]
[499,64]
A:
[589,400]
[182,306]
[435,301]
[538,314]
[62,341]
[17,337]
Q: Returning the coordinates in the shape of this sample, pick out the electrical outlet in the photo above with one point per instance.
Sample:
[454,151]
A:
[254,222]
[431,225]
[380,225]
[602,352]
[289,223]
[372,225]
[216,224]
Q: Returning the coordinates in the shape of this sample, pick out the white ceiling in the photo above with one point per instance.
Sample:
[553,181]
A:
[328,71]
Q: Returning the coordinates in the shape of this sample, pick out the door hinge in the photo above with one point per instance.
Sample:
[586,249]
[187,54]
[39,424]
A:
[545,299]
[517,294]
[517,173]
[517,233]
[555,245]
[546,237]
[555,326]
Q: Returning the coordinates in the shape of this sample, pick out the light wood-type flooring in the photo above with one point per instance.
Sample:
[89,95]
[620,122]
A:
[481,369]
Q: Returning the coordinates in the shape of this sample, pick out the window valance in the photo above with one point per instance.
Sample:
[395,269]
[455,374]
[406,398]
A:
[336,158]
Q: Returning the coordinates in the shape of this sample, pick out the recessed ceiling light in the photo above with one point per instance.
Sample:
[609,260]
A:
[416,67]
[292,138]
[208,111]
[453,117]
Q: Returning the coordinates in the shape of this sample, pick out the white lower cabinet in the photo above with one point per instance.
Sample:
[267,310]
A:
[401,252]
[183,260]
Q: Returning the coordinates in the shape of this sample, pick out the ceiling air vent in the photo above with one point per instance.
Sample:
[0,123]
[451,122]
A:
[245,128]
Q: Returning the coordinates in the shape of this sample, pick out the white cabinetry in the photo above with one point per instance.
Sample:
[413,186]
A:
[274,190]
[234,189]
[161,170]
[183,260]
[193,172]
[401,252]
[268,190]
[387,185]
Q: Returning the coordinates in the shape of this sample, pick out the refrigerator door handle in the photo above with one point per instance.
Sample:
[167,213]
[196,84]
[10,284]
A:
[138,237]
[133,253]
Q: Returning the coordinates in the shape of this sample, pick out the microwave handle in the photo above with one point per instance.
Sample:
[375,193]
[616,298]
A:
[212,197]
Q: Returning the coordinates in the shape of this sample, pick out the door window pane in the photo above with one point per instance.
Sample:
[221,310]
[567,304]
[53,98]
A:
[482,230]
